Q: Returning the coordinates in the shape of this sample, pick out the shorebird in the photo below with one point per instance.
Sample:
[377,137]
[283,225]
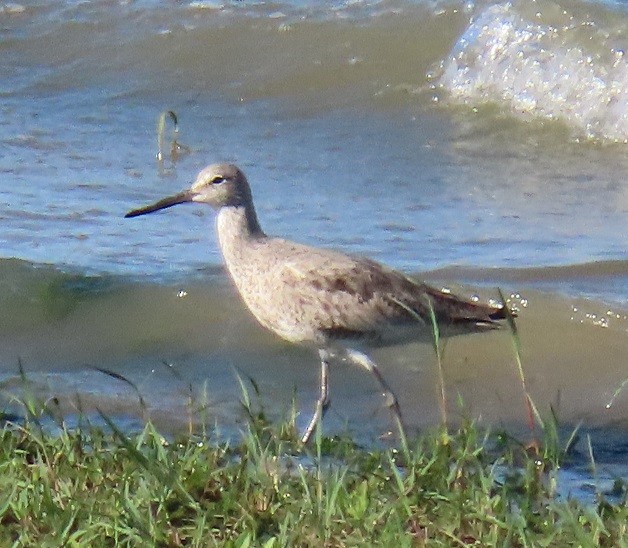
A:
[333,302]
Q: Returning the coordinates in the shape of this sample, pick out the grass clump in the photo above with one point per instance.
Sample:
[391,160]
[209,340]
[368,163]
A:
[98,486]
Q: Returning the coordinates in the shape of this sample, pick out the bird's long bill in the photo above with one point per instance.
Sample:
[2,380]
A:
[182,197]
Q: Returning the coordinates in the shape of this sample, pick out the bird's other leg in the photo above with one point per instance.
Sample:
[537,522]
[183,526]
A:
[323,400]
[363,360]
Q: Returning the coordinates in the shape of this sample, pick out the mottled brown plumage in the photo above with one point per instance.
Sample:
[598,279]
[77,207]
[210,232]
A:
[316,296]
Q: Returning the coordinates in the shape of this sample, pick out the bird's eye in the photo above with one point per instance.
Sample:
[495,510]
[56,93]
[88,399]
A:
[217,180]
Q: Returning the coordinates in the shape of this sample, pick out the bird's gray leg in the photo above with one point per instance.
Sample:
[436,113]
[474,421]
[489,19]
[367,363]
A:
[391,400]
[323,400]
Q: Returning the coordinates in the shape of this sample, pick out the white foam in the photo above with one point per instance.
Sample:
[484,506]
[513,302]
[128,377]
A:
[542,70]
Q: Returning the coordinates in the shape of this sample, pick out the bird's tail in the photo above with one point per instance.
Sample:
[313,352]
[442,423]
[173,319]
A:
[450,308]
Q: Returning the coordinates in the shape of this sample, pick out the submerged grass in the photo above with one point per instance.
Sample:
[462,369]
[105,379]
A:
[99,486]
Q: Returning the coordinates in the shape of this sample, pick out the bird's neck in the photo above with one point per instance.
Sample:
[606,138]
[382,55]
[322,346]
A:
[237,226]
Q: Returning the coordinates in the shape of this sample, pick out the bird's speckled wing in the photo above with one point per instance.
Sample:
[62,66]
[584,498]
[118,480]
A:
[347,297]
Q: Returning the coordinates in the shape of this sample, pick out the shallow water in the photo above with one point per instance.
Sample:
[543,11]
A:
[197,333]
[474,143]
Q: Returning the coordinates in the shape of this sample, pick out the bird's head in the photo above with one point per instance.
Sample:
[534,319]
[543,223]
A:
[219,185]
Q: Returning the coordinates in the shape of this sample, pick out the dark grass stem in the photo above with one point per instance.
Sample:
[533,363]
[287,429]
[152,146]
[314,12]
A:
[531,410]
[438,350]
